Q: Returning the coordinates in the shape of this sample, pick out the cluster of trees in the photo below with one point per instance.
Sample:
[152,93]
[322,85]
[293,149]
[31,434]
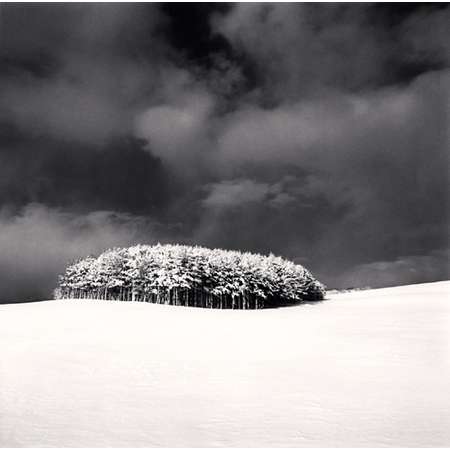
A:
[189,276]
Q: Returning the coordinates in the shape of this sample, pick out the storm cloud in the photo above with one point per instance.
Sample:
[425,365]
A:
[316,132]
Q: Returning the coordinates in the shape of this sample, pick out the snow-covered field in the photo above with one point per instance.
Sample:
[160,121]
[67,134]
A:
[370,368]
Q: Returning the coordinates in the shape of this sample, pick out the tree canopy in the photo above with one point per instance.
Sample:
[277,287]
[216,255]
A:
[194,276]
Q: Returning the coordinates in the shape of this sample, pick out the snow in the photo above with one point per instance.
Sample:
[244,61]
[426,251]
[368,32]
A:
[368,368]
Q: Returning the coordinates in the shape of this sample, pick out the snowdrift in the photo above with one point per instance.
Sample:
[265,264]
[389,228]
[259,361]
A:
[190,276]
[368,368]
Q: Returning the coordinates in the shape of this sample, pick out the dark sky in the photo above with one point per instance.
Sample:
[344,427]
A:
[318,132]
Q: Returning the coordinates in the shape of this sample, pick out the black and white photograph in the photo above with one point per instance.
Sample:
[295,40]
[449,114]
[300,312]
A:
[224,225]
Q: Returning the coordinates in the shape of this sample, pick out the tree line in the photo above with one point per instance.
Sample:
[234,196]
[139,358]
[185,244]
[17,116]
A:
[189,276]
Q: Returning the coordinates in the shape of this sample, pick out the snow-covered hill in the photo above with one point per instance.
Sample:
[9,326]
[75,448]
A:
[368,368]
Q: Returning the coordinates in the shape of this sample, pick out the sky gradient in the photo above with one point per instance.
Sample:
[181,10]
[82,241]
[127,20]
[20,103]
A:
[318,132]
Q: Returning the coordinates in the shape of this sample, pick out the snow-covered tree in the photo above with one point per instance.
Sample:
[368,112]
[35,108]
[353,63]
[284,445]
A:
[191,276]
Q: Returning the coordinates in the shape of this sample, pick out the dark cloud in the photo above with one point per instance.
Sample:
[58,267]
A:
[402,270]
[78,72]
[318,132]
[119,176]
[304,50]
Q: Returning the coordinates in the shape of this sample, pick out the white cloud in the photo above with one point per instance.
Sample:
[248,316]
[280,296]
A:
[36,245]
